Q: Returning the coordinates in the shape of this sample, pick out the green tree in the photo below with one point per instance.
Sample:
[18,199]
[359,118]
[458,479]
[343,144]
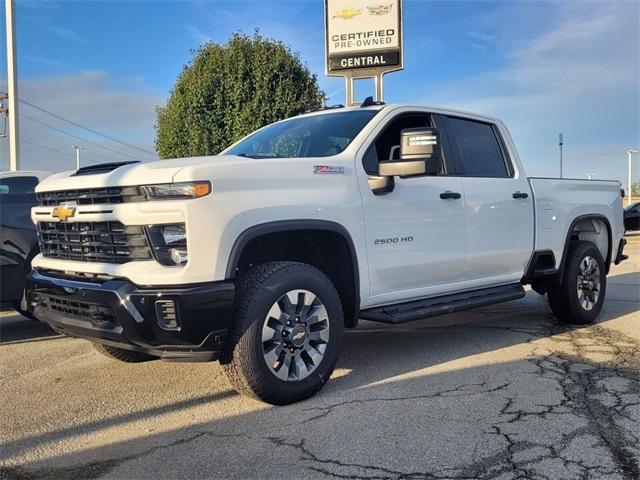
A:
[229,90]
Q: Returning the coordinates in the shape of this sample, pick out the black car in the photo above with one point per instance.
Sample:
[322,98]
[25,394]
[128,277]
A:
[632,217]
[18,241]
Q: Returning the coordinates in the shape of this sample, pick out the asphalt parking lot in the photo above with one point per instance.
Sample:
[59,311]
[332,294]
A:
[503,392]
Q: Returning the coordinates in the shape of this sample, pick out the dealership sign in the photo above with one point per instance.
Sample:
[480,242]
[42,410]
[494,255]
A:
[363,37]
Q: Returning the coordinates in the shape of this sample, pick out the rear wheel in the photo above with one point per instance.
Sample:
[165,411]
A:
[580,297]
[287,335]
[128,356]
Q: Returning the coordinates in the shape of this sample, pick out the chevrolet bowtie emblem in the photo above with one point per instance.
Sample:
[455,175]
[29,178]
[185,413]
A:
[64,211]
[347,13]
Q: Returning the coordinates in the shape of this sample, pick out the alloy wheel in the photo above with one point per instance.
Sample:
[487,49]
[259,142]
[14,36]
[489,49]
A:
[588,282]
[295,334]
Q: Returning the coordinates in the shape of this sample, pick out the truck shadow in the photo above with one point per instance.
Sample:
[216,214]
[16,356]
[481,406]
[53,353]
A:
[381,366]
[14,328]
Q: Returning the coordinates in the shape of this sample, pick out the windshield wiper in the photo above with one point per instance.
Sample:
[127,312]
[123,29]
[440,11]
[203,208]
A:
[257,155]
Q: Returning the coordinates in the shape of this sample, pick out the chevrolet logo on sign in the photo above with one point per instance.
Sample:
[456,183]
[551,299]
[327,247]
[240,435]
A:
[64,211]
[347,13]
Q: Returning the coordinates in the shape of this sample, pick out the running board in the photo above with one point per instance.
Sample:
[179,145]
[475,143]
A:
[430,307]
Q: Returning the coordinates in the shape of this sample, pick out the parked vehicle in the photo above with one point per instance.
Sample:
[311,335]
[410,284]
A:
[632,217]
[262,255]
[18,242]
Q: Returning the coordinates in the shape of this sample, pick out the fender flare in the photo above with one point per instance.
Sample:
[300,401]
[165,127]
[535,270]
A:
[567,242]
[292,225]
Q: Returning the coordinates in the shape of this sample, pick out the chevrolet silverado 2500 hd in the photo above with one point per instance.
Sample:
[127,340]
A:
[259,257]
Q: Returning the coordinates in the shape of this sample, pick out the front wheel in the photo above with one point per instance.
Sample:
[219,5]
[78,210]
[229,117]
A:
[580,296]
[287,333]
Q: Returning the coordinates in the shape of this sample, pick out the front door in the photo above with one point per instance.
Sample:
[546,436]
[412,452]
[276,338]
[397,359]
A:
[415,239]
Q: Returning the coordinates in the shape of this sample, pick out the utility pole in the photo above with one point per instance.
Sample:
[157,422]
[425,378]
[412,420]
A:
[12,87]
[77,149]
[560,142]
[630,193]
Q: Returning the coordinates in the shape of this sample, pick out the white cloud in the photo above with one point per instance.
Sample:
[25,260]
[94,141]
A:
[114,106]
[47,24]
[569,67]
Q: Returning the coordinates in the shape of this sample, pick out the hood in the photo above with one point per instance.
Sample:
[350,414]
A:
[182,169]
[112,175]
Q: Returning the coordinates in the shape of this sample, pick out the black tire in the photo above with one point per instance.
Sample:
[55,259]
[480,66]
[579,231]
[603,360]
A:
[24,313]
[244,358]
[565,299]
[127,356]
[21,308]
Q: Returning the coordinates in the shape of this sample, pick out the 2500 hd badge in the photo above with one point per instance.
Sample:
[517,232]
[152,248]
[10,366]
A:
[386,241]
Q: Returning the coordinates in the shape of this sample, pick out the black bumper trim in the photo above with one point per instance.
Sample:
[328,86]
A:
[120,314]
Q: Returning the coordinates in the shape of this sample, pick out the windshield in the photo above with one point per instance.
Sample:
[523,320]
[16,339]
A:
[310,136]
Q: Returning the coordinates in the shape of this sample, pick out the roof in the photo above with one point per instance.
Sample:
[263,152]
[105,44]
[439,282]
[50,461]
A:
[26,173]
[394,106]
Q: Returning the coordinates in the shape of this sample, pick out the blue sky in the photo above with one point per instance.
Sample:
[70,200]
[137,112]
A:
[542,66]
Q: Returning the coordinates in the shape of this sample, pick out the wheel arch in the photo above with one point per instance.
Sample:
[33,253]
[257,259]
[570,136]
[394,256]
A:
[573,229]
[348,288]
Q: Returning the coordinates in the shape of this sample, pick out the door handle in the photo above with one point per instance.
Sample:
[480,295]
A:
[520,195]
[446,195]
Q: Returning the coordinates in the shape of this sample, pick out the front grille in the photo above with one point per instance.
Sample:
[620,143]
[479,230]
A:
[108,242]
[72,308]
[91,196]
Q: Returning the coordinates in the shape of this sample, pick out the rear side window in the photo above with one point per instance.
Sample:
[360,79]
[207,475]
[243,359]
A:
[18,185]
[476,146]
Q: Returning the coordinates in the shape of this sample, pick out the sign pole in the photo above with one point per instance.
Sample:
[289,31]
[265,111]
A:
[348,80]
[379,86]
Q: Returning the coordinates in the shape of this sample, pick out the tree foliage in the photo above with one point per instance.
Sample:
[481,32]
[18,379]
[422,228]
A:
[230,90]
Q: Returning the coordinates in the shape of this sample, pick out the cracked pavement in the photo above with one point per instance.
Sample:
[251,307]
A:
[503,392]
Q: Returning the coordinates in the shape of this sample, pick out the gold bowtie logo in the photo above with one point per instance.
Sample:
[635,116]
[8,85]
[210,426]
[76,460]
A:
[347,13]
[64,211]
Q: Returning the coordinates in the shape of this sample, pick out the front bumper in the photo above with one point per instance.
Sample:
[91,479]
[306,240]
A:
[118,313]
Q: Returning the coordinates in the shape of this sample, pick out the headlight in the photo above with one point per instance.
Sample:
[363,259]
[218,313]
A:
[171,191]
[169,243]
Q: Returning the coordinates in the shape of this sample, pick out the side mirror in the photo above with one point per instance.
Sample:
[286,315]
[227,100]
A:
[419,153]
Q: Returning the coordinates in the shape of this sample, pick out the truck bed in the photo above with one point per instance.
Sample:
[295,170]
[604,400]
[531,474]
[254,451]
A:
[559,203]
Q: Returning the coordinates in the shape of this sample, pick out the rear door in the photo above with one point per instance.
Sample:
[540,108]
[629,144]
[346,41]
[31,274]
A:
[498,202]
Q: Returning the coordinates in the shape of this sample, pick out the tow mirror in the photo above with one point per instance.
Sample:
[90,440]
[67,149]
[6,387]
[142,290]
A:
[419,154]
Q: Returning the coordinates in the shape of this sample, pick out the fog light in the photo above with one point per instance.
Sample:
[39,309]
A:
[167,315]
[178,256]
[169,243]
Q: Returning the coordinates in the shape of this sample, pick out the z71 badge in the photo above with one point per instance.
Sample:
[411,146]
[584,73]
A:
[329,169]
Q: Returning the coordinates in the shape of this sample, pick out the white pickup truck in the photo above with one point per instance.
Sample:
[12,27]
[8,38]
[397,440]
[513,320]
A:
[261,256]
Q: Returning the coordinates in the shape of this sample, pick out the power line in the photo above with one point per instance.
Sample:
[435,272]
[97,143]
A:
[56,150]
[95,132]
[75,136]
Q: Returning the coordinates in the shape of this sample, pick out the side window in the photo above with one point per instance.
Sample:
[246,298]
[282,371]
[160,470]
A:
[18,185]
[18,189]
[387,144]
[476,147]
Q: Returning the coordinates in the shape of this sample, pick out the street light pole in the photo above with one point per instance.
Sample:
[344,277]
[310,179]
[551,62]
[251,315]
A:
[560,142]
[12,87]
[629,154]
[77,149]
